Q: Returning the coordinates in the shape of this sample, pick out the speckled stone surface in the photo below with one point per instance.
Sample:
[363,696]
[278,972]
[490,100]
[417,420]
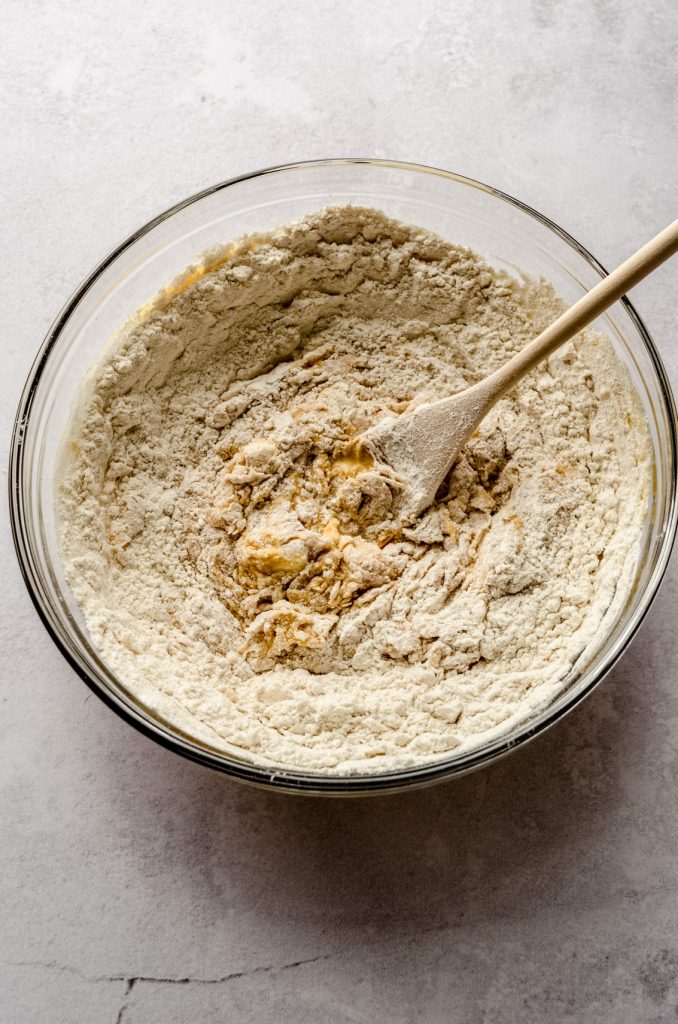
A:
[139,889]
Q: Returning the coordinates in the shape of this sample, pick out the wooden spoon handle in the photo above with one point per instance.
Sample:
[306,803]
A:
[590,306]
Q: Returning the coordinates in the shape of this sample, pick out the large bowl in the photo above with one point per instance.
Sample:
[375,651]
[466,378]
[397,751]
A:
[505,231]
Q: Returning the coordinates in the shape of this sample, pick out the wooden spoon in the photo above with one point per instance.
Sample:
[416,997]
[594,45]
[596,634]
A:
[420,447]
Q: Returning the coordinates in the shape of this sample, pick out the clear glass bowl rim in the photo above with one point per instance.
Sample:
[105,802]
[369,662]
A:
[315,783]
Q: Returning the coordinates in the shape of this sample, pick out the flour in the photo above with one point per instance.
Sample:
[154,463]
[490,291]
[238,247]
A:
[246,574]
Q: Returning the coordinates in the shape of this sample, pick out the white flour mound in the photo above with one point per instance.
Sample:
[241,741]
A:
[256,588]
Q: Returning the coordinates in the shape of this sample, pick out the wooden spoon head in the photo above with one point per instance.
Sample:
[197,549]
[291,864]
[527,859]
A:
[419,448]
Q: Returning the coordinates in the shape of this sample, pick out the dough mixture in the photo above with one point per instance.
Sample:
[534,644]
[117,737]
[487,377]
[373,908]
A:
[244,570]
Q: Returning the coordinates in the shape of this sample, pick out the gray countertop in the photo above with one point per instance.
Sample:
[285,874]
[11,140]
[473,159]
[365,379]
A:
[140,889]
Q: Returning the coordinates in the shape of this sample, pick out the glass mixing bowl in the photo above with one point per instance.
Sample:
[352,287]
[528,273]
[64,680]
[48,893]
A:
[506,232]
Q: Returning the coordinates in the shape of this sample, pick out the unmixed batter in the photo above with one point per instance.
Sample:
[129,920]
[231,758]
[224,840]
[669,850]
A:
[246,573]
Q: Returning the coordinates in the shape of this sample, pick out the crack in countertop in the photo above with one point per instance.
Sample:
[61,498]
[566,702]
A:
[132,980]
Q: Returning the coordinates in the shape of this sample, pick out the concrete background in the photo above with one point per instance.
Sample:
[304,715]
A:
[139,889]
